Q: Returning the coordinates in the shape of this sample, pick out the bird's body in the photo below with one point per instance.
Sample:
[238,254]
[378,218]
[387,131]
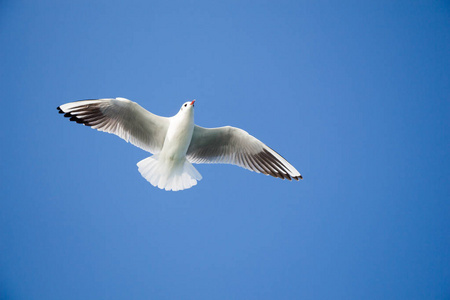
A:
[169,169]
[179,134]
[177,142]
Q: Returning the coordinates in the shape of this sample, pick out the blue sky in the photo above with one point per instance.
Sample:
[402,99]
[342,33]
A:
[355,94]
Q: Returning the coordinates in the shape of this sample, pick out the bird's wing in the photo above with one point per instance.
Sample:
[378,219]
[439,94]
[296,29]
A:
[121,117]
[231,145]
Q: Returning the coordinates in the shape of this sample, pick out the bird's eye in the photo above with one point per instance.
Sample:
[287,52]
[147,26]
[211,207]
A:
[185,105]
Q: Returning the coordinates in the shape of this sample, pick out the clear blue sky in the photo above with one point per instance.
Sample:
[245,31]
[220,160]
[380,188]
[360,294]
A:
[355,94]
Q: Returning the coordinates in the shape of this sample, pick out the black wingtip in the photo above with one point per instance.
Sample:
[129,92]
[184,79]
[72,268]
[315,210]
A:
[75,119]
[60,110]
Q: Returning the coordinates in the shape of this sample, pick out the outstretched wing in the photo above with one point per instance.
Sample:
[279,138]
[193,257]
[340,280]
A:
[121,117]
[231,145]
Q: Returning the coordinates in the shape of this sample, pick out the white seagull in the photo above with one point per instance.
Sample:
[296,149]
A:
[176,142]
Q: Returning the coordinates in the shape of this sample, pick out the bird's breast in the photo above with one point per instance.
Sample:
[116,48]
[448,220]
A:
[178,138]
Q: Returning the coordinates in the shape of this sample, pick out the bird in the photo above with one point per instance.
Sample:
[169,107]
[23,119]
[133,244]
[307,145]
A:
[176,142]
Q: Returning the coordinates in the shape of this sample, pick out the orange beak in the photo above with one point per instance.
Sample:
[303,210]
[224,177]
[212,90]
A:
[192,103]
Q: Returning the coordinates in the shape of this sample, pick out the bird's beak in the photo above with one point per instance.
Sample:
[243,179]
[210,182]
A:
[192,103]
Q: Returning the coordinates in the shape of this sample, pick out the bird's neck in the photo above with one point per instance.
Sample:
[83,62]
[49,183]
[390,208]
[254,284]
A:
[183,120]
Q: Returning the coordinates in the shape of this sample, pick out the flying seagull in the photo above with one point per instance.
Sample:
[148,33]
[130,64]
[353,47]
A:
[176,142]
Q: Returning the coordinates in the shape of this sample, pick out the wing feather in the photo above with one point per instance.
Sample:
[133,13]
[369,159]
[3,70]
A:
[121,117]
[235,146]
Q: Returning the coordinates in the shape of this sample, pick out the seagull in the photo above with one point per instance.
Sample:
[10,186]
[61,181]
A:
[176,142]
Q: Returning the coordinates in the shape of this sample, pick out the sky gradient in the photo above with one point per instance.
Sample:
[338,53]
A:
[355,95]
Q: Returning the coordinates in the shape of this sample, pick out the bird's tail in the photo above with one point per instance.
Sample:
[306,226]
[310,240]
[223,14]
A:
[168,176]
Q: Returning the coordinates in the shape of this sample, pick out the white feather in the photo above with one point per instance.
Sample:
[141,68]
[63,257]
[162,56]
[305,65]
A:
[168,176]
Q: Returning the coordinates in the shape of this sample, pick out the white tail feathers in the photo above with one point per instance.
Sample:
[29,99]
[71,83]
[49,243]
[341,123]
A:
[171,177]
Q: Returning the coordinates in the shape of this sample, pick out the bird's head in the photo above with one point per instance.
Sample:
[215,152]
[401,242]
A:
[187,106]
